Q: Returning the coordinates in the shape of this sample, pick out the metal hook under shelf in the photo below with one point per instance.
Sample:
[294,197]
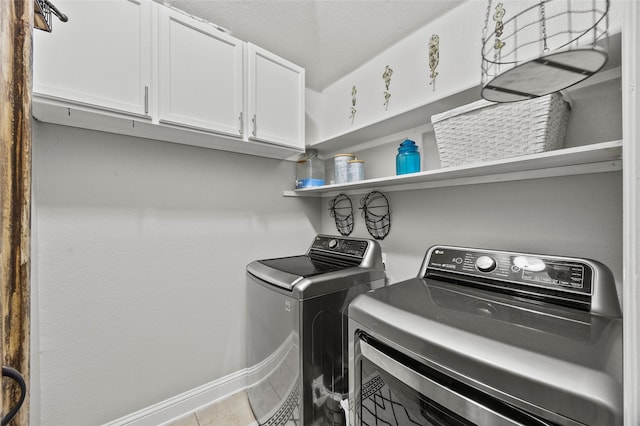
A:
[42,10]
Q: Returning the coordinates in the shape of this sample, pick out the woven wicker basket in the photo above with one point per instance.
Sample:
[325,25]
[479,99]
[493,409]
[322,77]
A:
[485,131]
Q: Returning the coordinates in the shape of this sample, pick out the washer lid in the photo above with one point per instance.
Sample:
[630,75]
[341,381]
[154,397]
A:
[287,272]
[306,276]
[331,264]
[302,266]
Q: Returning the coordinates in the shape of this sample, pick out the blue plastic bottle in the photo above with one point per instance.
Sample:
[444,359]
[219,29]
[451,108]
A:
[408,158]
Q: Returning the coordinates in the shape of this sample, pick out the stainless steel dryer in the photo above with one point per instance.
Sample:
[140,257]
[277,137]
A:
[297,329]
[485,337]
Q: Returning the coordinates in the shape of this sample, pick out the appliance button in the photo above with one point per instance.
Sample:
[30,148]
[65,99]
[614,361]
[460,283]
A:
[529,263]
[333,243]
[485,264]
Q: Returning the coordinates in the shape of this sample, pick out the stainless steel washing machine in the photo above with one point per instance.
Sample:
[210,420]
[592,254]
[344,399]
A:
[486,337]
[297,342]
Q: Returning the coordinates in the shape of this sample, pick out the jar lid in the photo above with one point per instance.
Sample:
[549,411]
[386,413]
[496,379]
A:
[355,161]
[344,155]
[408,146]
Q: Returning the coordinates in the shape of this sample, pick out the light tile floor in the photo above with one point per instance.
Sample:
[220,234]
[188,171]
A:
[232,411]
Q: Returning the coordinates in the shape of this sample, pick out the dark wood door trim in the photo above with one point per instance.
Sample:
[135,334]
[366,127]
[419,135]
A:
[16,26]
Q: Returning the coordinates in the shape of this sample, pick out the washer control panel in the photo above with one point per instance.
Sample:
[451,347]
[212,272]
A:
[343,246]
[537,271]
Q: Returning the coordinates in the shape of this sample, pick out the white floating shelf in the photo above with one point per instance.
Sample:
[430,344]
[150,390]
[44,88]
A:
[403,120]
[594,158]
[421,115]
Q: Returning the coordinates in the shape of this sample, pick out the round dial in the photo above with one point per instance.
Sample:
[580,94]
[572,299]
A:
[333,243]
[485,264]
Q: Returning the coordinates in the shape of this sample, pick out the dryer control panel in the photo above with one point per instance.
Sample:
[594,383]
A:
[579,283]
[537,271]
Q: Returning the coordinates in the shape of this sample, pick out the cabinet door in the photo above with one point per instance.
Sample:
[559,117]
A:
[200,75]
[276,99]
[101,57]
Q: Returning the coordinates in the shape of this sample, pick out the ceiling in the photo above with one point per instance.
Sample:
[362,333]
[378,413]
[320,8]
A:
[329,38]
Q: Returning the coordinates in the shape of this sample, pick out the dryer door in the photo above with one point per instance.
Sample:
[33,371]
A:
[394,389]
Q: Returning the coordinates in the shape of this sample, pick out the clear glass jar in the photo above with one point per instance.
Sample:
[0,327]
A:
[309,171]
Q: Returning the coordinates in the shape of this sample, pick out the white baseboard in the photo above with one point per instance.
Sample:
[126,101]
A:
[178,406]
[185,403]
[266,367]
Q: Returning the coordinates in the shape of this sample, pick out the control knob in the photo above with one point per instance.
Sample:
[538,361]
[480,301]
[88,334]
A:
[333,243]
[485,264]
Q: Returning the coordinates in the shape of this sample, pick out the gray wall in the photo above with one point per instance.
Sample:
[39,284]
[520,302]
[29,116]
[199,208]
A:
[574,216]
[139,255]
[139,250]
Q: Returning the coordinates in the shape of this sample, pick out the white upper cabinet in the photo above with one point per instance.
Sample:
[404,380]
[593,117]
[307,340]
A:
[101,57]
[140,68]
[200,75]
[276,99]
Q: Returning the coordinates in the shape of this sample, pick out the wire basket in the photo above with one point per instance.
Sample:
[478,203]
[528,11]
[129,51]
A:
[42,15]
[341,209]
[485,131]
[376,214]
[539,47]
[42,10]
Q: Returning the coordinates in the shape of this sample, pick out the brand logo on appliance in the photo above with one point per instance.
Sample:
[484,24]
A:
[287,305]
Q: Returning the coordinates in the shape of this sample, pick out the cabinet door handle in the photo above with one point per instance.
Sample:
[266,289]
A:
[255,126]
[241,118]
[146,99]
